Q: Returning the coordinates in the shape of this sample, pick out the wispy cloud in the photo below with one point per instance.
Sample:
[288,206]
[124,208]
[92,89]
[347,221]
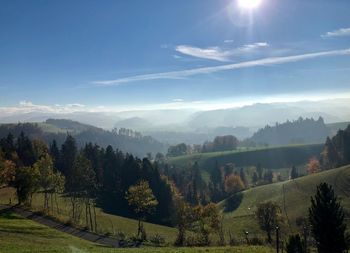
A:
[337,33]
[251,47]
[228,41]
[212,53]
[207,70]
[28,107]
[217,53]
[178,100]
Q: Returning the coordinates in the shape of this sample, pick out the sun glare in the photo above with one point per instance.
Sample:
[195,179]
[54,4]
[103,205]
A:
[249,4]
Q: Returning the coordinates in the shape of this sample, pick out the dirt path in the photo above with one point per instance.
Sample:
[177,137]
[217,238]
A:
[86,235]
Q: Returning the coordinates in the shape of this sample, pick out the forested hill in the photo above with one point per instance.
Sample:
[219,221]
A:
[123,139]
[301,131]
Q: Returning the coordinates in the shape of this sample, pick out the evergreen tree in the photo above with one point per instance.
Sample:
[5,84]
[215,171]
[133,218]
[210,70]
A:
[294,173]
[268,177]
[25,150]
[68,154]
[8,146]
[294,244]
[55,154]
[215,175]
[260,171]
[255,178]
[326,217]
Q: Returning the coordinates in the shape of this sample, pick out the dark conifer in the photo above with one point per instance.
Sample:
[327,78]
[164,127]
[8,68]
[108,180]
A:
[326,217]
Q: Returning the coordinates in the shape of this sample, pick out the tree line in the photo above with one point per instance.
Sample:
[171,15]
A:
[220,143]
[299,131]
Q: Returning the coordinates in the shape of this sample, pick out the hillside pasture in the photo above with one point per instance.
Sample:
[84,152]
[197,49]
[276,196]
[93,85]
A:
[268,157]
[293,196]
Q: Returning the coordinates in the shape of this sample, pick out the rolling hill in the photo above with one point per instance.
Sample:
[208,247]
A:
[125,140]
[270,157]
[293,196]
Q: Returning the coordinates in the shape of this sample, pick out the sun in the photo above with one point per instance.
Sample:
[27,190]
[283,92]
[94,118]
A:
[249,4]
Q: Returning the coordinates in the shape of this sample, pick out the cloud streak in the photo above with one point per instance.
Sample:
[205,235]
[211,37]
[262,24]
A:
[211,53]
[208,70]
[28,107]
[217,53]
[337,33]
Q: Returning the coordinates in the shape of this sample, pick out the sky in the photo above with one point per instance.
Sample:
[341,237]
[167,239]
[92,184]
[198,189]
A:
[86,55]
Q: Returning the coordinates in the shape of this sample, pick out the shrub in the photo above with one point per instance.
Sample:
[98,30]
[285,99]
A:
[157,240]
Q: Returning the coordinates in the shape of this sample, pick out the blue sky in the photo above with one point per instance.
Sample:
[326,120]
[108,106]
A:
[125,53]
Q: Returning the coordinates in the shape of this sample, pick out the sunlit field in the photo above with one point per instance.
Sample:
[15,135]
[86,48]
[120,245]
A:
[25,236]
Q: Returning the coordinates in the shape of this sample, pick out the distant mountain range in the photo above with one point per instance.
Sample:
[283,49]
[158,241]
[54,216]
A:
[194,126]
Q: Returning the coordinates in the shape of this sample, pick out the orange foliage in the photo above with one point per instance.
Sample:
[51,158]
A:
[313,166]
[7,172]
[233,184]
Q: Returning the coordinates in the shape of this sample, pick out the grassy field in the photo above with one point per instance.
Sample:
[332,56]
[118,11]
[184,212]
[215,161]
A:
[269,157]
[19,235]
[107,223]
[293,196]
[49,128]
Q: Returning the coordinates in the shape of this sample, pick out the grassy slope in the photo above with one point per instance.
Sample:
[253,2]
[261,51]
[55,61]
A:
[18,235]
[246,157]
[293,196]
[107,223]
[49,128]
[334,127]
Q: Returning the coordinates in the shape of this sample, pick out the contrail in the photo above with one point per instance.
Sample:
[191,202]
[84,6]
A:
[207,70]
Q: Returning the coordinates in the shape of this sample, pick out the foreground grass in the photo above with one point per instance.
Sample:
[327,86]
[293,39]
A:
[107,223]
[19,235]
[293,196]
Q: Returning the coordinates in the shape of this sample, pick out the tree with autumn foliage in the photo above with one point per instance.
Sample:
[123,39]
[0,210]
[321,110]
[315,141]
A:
[208,221]
[183,219]
[50,181]
[233,184]
[7,171]
[141,198]
[313,166]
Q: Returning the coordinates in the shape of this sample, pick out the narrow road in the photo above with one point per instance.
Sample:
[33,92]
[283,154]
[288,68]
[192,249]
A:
[83,234]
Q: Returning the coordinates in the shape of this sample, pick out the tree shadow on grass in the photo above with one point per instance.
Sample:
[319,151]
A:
[10,215]
[233,202]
